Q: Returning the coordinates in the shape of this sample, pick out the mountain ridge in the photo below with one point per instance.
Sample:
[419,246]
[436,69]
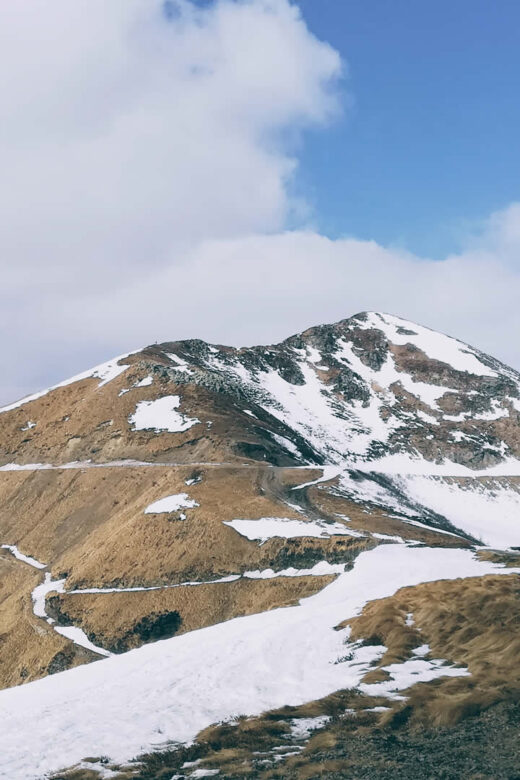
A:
[365,375]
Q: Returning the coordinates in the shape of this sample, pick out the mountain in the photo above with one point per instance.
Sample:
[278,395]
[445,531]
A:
[370,389]
[229,531]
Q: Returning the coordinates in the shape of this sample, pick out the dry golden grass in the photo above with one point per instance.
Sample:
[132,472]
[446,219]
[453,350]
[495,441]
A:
[508,559]
[473,622]
[28,645]
[82,420]
[90,525]
[112,617]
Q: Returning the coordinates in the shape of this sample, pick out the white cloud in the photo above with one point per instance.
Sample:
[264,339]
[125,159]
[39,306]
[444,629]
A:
[146,179]
[264,287]
[122,133]
[126,137]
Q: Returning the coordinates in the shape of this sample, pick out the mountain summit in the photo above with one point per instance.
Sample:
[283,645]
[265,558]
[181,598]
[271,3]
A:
[372,389]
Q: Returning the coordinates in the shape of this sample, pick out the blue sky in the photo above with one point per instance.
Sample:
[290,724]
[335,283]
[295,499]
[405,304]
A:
[430,145]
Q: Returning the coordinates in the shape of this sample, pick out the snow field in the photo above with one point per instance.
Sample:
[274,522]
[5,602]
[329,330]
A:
[174,688]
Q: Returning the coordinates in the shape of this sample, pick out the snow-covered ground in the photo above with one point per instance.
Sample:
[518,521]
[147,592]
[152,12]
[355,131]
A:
[161,415]
[436,345]
[286,528]
[486,509]
[13,549]
[171,689]
[105,371]
[490,511]
[76,635]
[171,504]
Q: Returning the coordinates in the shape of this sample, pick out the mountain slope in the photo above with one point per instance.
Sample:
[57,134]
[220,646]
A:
[360,391]
[173,689]
[185,485]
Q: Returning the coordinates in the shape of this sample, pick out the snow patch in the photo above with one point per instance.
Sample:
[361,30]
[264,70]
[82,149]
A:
[21,557]
[286,528]
[78,636]
[161,415]
[301,728]
[171,504]
[146,382]
[40,592]
[181,364]
[409,673]
[488,511]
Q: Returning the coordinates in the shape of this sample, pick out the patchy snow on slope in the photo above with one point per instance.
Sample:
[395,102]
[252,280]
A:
[328,473]
[170,690]
[109,371]
[413,463]
[363,424]
[105,371]
[171,504]
[161,415]
[140,588]
[40,592]
[78,636]
[486,509]
[435,345]
[307,410]
[26,466]
[21,557]
[146,382]
[103,772]
[181,365]
[387,375]
[489,511]
[388,538]
[365,488]
[320,569]
[286,528]
[301,728]
[410,672]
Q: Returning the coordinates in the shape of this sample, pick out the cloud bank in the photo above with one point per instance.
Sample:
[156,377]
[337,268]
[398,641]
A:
[148,154]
